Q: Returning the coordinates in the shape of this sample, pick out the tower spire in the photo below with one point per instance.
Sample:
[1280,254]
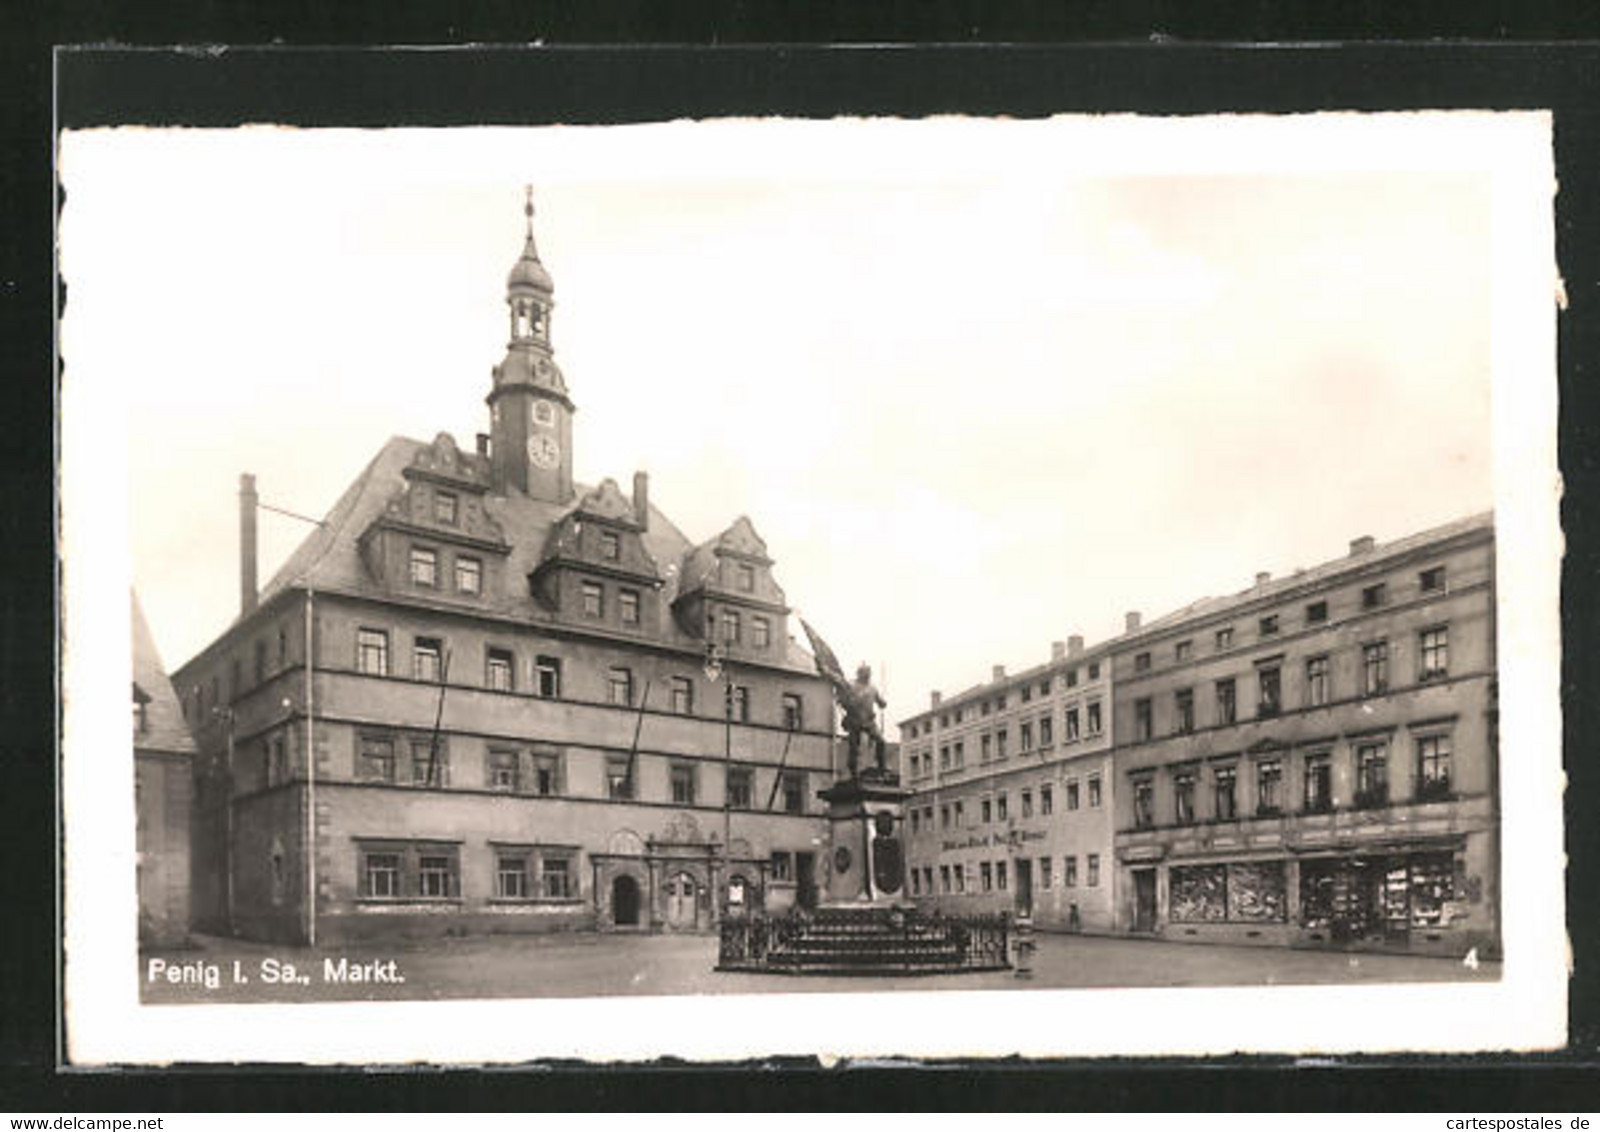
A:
[527,210]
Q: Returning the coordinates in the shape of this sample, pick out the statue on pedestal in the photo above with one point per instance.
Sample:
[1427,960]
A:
[861,702]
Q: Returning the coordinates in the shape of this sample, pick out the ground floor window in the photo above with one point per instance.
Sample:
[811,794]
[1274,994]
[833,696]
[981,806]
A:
[511,877]
[408,870]
[1248,892]
[532,872]
[1353,897]
[556,877]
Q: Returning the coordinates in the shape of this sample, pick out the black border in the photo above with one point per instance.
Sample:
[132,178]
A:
[367,87]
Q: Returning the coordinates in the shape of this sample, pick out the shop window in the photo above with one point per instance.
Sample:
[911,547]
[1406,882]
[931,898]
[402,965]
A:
[1257,892]
[1431,888]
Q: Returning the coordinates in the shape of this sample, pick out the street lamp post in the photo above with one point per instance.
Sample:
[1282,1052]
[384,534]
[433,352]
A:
[715,671]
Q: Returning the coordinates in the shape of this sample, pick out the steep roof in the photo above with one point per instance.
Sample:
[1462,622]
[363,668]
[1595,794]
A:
[329,560]
[165,729]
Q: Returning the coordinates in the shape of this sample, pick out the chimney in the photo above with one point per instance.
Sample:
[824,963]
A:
[641,500]
[999,673]
[935,699]
[483,444]
[1058,650]
[1263,577]
[247,542]
[1131,621]
[1074,645]
[1362,545]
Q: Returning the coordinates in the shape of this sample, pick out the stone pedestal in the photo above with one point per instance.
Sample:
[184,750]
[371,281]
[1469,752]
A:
[866,849]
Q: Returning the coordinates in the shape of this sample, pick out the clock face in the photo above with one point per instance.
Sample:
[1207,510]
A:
[544,451]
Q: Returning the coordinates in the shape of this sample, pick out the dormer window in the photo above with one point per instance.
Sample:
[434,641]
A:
[445,507]
[745,578]
[610,546]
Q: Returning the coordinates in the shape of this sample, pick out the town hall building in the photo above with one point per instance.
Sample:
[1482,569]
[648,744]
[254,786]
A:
[482,697]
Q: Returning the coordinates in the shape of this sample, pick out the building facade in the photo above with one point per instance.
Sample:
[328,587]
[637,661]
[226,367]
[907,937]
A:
[163,752]
[481,697]
[1314,760]
[1013,785]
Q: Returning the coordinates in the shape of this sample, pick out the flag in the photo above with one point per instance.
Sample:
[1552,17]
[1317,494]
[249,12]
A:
[827,663]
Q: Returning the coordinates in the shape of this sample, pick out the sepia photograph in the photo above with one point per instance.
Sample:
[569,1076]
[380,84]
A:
[756,587]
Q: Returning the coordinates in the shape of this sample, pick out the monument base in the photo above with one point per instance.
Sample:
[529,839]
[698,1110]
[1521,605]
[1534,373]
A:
[866,864]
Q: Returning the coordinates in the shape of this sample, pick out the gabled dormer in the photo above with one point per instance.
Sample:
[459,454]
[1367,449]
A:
[434,536]
[728,595]
[595,569]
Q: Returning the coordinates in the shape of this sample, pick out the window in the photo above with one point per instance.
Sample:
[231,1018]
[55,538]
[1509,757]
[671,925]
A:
[1373,596]
[1000,737]
[1094,717]
[1027,803]
[1227,701]
[986,876]
[594,599]
[547,672]
[619,685]
[780,866]
[745,578]
[380,874]
[469,575]
[1072,677]
[372,652]
[1094,791]
[916,821]
[1000,807]
[986,810]
[682,689]
[1269,625]
[1372,775]
[277,761]
[1000,704]
[1319,784]
[429,766]
[628,606]
[1433,767]
[1000,875]
[1270,702]
[760,632]
[1183,702]
[1047,737]
[1316,613]
[1027,693]
[944,817]
[1143,718]
[444,508]
[435,875]
[610,546]
[546,775]
[1225,638]
[1069,871]
[1072,795]
[739,788]
[1375,668]
[1225,780]
[1072,725]
[1047,800]
[425,659]
[739,703]
[683,784]
[1432,580]
[1434,648]
[377,759]
[1094,870]
[1141,662]
[1025,737]
[556,877]
[424,566]
[1317,689]
[1269,787]
[1183,796]
[985,742]
[944,878]
[1094,670]
[1044,872]
[959,813]
[1044,686]
[283,646]
[1182,651]
[619,777]
[730,626]
[511,876]
[794,793]
[504,772]
[261,661]
[793,713]
[1144,803]
[959,875]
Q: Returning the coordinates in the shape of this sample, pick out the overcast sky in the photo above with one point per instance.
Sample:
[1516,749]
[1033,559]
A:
[980,385]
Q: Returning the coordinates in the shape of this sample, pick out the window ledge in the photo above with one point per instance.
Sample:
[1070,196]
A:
[409,901]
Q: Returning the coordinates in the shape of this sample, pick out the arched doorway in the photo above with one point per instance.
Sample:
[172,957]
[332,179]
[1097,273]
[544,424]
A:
[681,893]
[624,901]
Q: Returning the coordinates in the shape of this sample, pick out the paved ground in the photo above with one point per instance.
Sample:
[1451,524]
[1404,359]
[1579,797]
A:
[590,965]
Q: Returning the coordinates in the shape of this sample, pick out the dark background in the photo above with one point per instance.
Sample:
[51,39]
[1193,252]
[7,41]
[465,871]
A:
[1156,59]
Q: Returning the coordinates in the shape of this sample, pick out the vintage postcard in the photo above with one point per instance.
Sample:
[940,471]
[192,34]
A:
[947,587]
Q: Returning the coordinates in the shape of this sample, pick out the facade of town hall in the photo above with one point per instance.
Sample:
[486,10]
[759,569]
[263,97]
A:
[481,697]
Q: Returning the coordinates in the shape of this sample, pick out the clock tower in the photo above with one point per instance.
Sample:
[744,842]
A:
[530,412]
